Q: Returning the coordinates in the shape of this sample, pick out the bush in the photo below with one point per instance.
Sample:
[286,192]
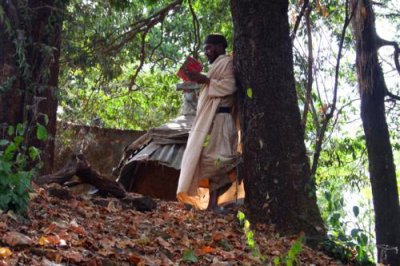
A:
[18,164]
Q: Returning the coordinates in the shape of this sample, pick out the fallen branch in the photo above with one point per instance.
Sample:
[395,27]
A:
[80,167]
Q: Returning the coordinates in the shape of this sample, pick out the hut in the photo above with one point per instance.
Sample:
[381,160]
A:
[151,164]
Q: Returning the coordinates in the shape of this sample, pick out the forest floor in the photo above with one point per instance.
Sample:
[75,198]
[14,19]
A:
[84,231]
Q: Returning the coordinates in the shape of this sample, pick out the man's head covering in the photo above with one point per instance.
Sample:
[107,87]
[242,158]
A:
[216,39]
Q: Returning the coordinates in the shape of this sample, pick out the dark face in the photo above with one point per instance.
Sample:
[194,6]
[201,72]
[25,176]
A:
[212,51]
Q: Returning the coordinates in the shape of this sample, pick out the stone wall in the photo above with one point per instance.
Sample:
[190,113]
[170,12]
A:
[101,147]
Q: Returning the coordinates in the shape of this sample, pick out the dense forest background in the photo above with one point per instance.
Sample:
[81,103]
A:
[117,61]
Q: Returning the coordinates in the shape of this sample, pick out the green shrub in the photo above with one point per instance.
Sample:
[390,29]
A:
[18,164]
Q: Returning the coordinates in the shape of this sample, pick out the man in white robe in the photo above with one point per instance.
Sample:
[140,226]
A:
[211,152]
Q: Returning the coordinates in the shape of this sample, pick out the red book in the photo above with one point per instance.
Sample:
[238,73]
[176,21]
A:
[190,64]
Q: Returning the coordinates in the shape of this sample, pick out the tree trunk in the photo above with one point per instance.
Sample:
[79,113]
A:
[275,166]
[381,167]
[29,66]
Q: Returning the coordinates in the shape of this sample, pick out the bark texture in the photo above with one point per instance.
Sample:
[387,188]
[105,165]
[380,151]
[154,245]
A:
[381,167]
[29,66]
[275,166]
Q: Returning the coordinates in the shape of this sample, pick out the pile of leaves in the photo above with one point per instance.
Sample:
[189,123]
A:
[87,230]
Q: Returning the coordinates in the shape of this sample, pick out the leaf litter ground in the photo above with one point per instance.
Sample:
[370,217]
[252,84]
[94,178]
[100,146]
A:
[82,231]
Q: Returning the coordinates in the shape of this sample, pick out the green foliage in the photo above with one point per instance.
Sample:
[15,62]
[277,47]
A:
[249,93]
[99,77]
[155,102]
[346,244]
[290,258]
[16,170]
[250,236]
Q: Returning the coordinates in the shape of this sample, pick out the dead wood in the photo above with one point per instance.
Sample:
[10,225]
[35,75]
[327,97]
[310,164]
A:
[81,168]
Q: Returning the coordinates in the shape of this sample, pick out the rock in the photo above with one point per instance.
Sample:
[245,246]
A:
[141,204]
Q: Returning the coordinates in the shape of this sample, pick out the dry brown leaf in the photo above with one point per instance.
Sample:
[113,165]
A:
[227,255]
[50,229]
[217,262]
[16,239]
[78,230]
[275,253]
[132,231]
[3,225]
[217,236]
[143,240]
[112,206]
[204,250]
[123,244]
[161,236]
[73,256]
[107,243]
[185,241]
[105,252]
[221,221]
[135,259]
[47,262]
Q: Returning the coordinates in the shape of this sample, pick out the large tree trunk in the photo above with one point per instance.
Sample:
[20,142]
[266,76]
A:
[275,168]
[29,66]
[381,167]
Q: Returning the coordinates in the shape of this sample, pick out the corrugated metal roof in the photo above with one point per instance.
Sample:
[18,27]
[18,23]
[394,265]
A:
[164,144]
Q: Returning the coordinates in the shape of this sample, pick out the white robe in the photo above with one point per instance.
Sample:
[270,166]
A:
[211,148]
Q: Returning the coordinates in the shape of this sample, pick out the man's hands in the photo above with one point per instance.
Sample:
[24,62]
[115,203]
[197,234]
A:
[197,77]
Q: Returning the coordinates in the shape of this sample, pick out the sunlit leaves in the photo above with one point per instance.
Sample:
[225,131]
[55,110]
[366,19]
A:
[5,253]
[90,29]
[154,101]
[249,93]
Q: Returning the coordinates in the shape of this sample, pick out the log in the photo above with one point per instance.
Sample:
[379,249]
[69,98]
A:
[81,168]
[61,176]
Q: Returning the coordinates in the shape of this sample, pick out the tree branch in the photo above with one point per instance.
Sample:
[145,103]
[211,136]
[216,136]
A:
[158,45]
[298,19]
[196,26]
[329,114]
[393,96]
[143,25]
[381,42]
[142,58]
[310,67]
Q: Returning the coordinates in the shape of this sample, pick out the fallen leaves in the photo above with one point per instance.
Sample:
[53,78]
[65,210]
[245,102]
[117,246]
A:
[14,238]
[5,253]
[86,231]
[49,240]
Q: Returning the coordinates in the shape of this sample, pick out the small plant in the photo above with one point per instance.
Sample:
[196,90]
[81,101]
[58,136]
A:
[250,236]
[290,258]
[18,164]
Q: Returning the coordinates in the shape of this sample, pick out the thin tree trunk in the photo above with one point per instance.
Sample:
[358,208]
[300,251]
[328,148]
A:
[381,167]
[275,166]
